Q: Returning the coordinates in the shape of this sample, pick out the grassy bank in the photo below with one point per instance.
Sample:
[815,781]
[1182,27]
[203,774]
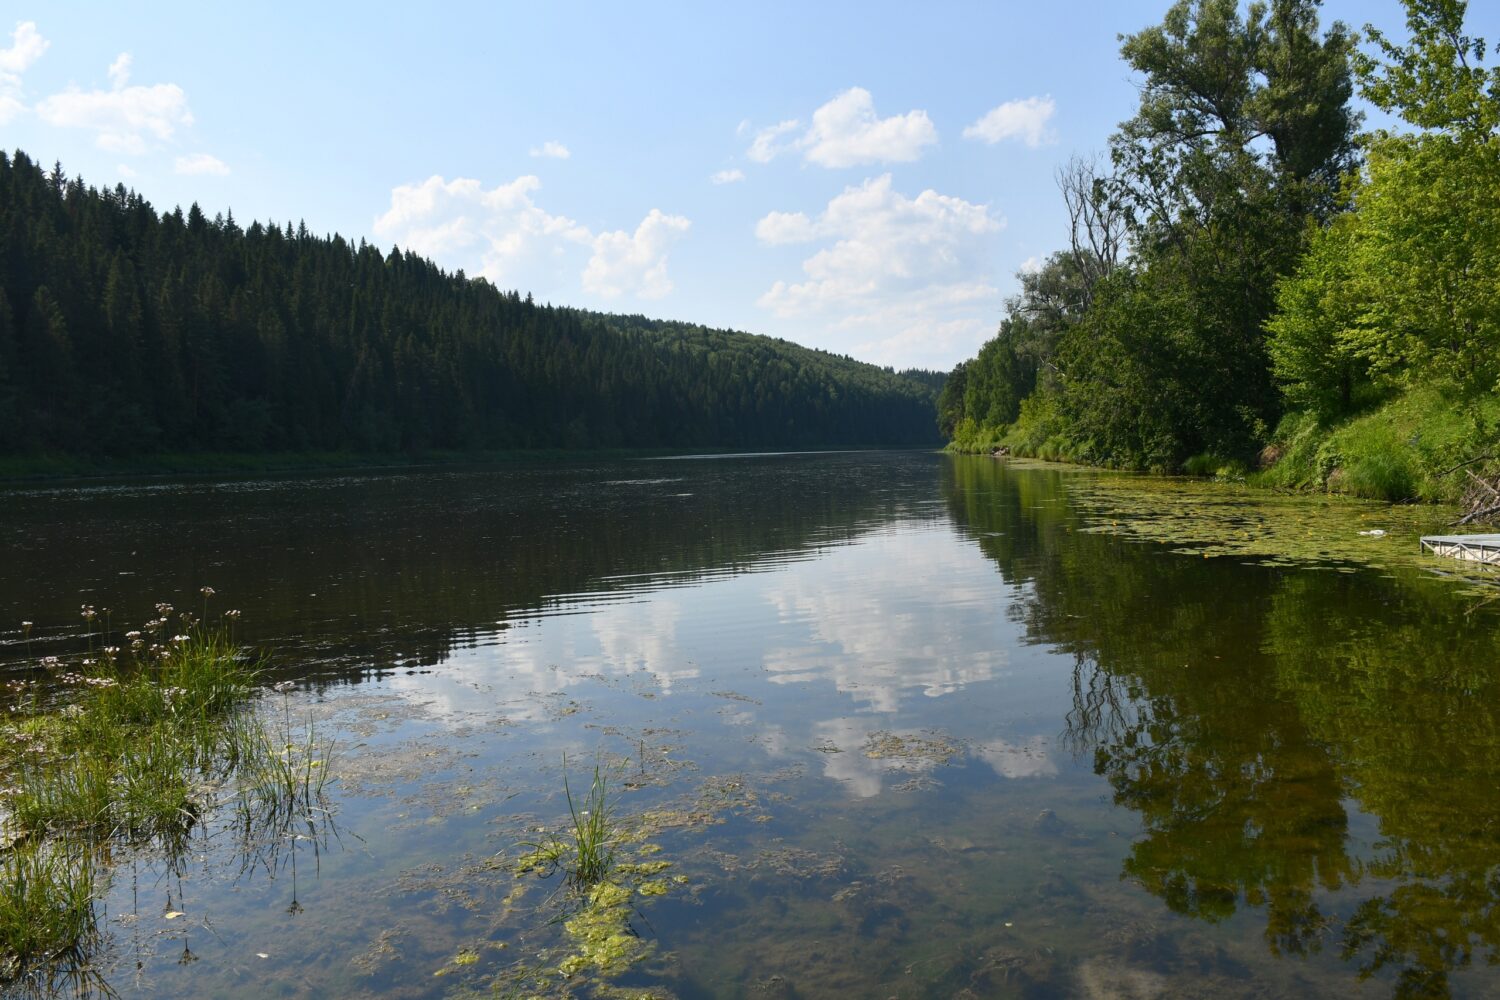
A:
[1409,449]
[972,438]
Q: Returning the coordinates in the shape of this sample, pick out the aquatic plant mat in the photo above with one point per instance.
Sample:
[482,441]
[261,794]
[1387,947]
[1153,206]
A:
[1223,520]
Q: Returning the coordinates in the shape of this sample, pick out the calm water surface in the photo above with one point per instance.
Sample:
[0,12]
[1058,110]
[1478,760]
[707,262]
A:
[902,725]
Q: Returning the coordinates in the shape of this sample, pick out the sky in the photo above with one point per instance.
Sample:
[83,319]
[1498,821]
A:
[867,178]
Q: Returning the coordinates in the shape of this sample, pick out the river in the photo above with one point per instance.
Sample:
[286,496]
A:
[875,724]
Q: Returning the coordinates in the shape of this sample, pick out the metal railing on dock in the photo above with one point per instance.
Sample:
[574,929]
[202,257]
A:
[1475,548]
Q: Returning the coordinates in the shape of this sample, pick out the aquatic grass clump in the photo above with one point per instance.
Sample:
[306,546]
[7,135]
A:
[609,875]
[594,835]
[144,737]
[133,747]
[280,777]
[46,902]
[197,676]
[587,854]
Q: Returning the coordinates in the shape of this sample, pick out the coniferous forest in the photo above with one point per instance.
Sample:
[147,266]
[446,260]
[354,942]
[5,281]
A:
[127,332]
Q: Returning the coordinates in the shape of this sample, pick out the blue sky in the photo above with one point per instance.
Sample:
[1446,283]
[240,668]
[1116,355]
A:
[861,177]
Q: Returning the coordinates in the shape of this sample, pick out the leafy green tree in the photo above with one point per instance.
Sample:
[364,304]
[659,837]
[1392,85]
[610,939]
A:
[951,399]
[989,389]
[1242,133]
[1313,333]
[1436,80]
[1426,250]
[1408,287]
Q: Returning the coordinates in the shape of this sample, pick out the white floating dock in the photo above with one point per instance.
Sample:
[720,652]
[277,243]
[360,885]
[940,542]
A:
[1475,548]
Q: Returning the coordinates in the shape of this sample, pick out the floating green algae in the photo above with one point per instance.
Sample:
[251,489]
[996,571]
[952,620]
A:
[1212,519]
[911,751]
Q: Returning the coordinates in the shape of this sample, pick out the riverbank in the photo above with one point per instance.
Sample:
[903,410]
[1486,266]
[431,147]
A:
[1412,449]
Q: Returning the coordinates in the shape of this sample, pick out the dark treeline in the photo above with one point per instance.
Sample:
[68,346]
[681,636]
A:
[1248,278]
[125,332]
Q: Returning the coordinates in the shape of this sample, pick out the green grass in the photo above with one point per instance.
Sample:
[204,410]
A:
[593,831]
[280,777]
[971,438]
[47,902]
[587,853]
[134,747]
[146,731]
[1041,432]
[1408,449]
[1214,466]
[1403,450]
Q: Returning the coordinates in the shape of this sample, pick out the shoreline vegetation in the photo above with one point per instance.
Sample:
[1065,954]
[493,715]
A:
[1418,448]
[138,750]
[1253,288]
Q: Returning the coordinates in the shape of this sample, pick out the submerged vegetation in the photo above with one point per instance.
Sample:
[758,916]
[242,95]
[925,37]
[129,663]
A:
[1250,282]
[131,749]
[610,869]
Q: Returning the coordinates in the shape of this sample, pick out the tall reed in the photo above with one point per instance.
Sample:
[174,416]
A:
[594,834]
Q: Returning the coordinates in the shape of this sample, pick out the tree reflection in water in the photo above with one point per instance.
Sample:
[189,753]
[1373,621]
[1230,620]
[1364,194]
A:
[1252,716]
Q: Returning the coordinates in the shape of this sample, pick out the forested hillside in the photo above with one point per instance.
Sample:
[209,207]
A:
[1250,280]
[127,332]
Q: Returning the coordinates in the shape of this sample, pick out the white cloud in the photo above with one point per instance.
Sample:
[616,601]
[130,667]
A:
[846,132]
[826,613]
[552,150]
[1009,760]
[441,218]
[1022,119]
[1031,265]
[768,142]
[634,261]
[119,70]
[521,244]
[909,276]
[26,47]
[882,241]
[925,338]
[642,636]
[785,227]
[200,163]
[123,118]
[728,176]
[125,170]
